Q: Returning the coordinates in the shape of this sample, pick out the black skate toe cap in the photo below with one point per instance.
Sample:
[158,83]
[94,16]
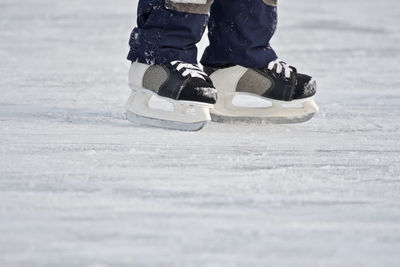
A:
[306,86]
[199,90]
[200,94]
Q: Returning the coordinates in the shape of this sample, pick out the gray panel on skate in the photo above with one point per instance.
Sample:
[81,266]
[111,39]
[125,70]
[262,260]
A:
[255,83]
[154,77]
[81,187]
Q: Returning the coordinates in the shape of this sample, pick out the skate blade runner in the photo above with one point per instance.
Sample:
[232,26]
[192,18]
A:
[242,78]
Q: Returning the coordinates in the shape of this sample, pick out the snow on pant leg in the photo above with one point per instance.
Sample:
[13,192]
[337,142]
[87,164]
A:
[168,30]
[239,33]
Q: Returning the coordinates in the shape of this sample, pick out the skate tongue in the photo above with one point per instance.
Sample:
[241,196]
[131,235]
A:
[280,66]
[188,69]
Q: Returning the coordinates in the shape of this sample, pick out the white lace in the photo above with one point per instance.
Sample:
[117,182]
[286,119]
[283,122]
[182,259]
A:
[190,69]
[280,67]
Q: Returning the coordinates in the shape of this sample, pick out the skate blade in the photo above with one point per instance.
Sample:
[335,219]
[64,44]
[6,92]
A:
[165,124]
[259,120]
[183,115]
[278,113]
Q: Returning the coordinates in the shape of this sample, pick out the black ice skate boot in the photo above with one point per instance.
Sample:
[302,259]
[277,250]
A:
[274,94]
[174,96]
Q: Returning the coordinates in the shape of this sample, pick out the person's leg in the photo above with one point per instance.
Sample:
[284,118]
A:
[168,30]
[240,32]
[164,55]
[241,61]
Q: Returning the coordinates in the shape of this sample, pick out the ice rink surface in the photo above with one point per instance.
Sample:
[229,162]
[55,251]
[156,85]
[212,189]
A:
[80,186]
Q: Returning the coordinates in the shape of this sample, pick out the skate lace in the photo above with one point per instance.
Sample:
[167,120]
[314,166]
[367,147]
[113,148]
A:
[281,66]
[189,69]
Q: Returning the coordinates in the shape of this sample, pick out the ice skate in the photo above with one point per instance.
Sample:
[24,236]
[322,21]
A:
[173,96]
[274,94]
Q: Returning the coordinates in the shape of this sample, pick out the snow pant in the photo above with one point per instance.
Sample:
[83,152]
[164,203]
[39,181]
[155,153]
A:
[239,32]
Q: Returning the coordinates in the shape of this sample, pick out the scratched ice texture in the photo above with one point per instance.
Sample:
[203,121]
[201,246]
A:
[80,186]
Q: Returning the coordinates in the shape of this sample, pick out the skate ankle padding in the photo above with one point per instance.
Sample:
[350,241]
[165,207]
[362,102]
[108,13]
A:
[189,6]
[271,2]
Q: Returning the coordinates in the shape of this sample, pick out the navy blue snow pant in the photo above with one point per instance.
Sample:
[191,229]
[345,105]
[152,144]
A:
[239,33]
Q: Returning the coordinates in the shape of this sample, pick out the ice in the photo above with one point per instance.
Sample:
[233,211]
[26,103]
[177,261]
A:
[80,186]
